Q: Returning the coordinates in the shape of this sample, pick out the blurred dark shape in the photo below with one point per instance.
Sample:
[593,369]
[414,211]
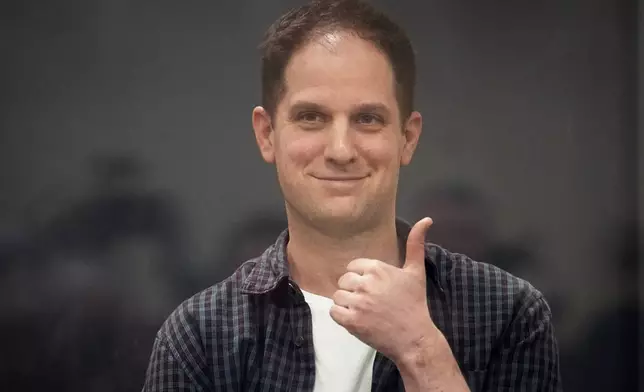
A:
[461,218]
[464,222]
[120,209]
[247,239]
[608,357]
[104,273]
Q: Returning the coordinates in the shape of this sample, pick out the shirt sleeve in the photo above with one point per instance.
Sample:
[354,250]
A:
[165,372]
[528,357]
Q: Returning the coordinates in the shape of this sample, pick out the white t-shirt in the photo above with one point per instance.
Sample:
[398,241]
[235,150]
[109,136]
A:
[342,361]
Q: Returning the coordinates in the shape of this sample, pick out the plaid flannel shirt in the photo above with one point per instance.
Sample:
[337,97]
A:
[253,331]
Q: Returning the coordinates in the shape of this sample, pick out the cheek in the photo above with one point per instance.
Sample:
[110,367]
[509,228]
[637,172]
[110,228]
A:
[301,148]
[381,152]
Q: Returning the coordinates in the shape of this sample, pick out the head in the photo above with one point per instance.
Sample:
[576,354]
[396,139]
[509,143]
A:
[337,115]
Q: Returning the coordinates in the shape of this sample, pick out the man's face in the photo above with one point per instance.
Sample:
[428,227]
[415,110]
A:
[337,138]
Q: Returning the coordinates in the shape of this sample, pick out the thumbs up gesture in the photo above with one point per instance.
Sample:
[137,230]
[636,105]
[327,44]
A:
[386,306]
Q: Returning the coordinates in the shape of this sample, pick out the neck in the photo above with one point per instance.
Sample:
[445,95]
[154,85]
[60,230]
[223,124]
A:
[317,258]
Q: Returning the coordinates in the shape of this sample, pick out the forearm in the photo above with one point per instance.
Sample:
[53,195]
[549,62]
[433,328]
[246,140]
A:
[432,367]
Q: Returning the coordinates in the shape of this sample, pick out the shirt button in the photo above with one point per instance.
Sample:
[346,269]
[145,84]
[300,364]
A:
[299,341]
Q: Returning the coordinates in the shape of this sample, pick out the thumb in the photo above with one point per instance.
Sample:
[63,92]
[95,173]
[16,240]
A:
[415,256]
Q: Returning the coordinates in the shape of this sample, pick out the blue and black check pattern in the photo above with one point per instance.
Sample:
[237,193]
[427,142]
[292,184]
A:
[253,331]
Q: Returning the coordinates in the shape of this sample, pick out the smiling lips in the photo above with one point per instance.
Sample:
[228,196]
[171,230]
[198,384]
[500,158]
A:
[343,184]
[340,178]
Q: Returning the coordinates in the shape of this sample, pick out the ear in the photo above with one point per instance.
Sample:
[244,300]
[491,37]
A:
[264,134]
[412,129]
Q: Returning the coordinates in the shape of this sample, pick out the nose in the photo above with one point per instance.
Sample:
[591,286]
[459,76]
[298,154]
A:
[340,147]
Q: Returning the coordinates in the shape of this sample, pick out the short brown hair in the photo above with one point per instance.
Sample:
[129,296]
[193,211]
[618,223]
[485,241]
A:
[298,26]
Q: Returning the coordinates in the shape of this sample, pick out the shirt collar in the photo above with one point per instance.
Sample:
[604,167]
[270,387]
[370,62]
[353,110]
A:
[271,268]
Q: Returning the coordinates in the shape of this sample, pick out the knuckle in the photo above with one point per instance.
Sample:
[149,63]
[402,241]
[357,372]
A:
[359,327]
[364,304]
[336,297]
[354,263]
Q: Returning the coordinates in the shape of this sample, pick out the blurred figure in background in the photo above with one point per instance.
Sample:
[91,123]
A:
[606,358]
[465,224]
[104,272]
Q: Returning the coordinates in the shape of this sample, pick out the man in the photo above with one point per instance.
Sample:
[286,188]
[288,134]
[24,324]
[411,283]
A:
[349,298]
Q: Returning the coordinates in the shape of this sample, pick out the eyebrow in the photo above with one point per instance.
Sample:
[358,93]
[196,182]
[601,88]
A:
[372,107]
[300,106]
[369,107]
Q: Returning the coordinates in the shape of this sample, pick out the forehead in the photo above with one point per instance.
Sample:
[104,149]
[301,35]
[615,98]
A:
[339,68]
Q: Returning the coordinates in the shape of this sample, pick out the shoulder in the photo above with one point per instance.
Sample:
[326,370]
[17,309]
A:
[198,334]
[486,293]
[210,315]
[493,318]
[481,280]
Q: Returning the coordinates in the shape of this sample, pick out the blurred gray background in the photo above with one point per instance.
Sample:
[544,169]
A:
[130,179]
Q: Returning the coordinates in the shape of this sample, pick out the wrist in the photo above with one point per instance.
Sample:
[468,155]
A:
[431,366]
[427,354]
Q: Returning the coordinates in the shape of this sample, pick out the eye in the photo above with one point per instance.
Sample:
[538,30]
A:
[369,119]
[310,117]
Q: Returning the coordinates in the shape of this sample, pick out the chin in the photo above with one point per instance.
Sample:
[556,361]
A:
[346,217]
[341,208]
[342,217]
[336,213]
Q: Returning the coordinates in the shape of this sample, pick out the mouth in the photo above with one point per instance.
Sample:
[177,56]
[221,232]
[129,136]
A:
[340,178]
